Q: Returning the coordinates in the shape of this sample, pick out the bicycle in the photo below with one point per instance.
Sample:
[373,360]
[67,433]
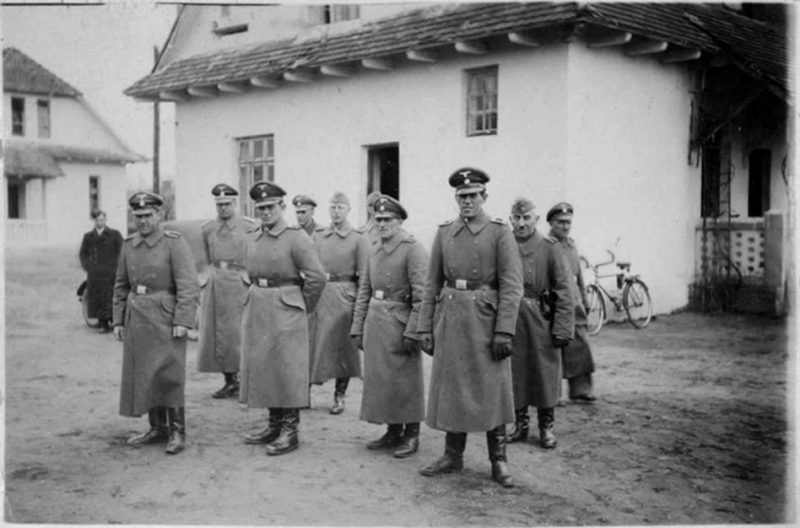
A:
[634,299]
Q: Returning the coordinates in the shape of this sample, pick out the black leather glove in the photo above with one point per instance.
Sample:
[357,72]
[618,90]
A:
[501,346]
[410,346]
[560,342]
[426,343]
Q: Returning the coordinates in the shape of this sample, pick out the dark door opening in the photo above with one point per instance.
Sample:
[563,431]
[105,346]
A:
[383,169]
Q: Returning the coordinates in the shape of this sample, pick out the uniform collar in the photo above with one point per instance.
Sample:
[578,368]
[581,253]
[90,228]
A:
[474,226]
[568,242]
[150,240]
[274,231]
[526,246]
[343,231]
[399,238]
[230,223]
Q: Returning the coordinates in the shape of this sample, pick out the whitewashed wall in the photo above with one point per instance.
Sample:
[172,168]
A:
[606,132]
[628,174]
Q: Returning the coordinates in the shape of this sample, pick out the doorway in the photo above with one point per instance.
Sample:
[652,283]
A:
[383,169]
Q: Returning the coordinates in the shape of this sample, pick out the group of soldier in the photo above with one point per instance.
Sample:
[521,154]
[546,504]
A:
[500,309]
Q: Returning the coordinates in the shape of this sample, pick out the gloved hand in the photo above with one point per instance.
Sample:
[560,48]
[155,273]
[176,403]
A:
[119,332]
[358,341]
[179,332]
[410,346]
[426,343]
[560,342]
[501,346]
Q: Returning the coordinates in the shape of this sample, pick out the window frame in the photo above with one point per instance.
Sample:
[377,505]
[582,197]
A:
[247,164]
[17,116]
[487,111]
[94,194]
[43,118]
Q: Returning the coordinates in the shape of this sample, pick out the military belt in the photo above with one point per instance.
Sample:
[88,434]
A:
[382,296]
[331,277]
[141,289]
[227,264]
[273,282]
[464,284]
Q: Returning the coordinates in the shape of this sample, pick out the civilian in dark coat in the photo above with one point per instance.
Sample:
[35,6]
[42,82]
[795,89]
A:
[99,255]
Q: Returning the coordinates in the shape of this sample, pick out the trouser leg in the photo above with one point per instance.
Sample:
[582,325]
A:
[338,395]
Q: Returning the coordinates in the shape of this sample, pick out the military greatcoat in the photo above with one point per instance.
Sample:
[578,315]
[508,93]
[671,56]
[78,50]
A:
[389,298]
[156,288]
[536,363]
[99,256]
[343,253]
[577,356]
[223,294]
[468,390]
[274,323]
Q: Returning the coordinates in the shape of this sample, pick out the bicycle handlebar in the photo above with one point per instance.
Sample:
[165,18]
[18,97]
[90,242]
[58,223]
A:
[613,259]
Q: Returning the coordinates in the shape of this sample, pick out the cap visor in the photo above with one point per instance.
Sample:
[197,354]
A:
[471,189]
[268,201]
[143,212]
[225,199]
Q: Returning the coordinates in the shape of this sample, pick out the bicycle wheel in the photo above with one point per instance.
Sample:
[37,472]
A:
[596,315]
[637,304]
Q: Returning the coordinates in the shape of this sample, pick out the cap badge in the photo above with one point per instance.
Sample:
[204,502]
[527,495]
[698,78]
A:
[141,203]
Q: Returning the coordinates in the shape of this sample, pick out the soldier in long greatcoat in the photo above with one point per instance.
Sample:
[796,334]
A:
[99,256]
[544,325]
[577,356]
[285,280]
[156,293]
[468,319]
[384,326]
[343,252]
[224,241]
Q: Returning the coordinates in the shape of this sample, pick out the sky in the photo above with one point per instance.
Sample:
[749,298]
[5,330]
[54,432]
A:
[101,50]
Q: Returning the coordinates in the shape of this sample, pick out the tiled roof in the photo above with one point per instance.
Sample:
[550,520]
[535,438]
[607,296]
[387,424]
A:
[31,158]
[25,75]
[432,27]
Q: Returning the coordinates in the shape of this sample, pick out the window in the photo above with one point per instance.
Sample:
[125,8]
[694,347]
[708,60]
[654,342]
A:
[43,114]
[94,194]
[16,199]
[339,13]
[18,116]
[256,162]
[759,169]
[482,101]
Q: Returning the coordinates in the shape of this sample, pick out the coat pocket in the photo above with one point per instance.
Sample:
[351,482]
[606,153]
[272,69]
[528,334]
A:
[347,291]
[168,303]
[486,301]
[400,313]
[293,298]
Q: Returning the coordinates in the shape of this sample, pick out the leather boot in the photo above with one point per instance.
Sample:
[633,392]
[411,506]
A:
[287,440]
[177,430]
[580,389]
[410,443]
[496,443]
[158,429]
[231,387]
[546,419]
[270,432]
[338,395]
[520,432]
[453,458]
[392,438]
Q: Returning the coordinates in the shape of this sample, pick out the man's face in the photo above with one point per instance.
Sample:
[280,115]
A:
[338,212]
[470,205]
[147,223]
[304,214]
[270,214]
[524,224]
[226,210]
[100,221]
[560,226]
[388,225]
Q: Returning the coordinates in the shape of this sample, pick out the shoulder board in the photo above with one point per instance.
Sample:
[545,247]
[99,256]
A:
[498,221]
[447,223]
[172,234]
[253,229]
[207,223]
[293,227]
[319,228]
[409,238]
[551,239]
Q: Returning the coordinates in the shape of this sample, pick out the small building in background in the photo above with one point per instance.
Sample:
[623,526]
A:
[61,160]
[665,125]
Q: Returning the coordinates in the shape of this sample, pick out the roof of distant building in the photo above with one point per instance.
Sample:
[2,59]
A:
[23,74]
[720,31]
[37,159]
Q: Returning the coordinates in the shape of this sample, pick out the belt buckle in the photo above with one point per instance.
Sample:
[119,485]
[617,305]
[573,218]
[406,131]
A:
[379,294]
[141,289]
[461,284]
[263,283]
[223,264]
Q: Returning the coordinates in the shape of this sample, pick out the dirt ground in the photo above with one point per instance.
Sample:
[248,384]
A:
[691,426]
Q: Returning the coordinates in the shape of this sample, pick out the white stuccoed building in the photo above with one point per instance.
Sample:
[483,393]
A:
[649,118]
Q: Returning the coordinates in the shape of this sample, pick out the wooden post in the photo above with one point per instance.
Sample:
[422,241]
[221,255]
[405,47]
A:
[156,138]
